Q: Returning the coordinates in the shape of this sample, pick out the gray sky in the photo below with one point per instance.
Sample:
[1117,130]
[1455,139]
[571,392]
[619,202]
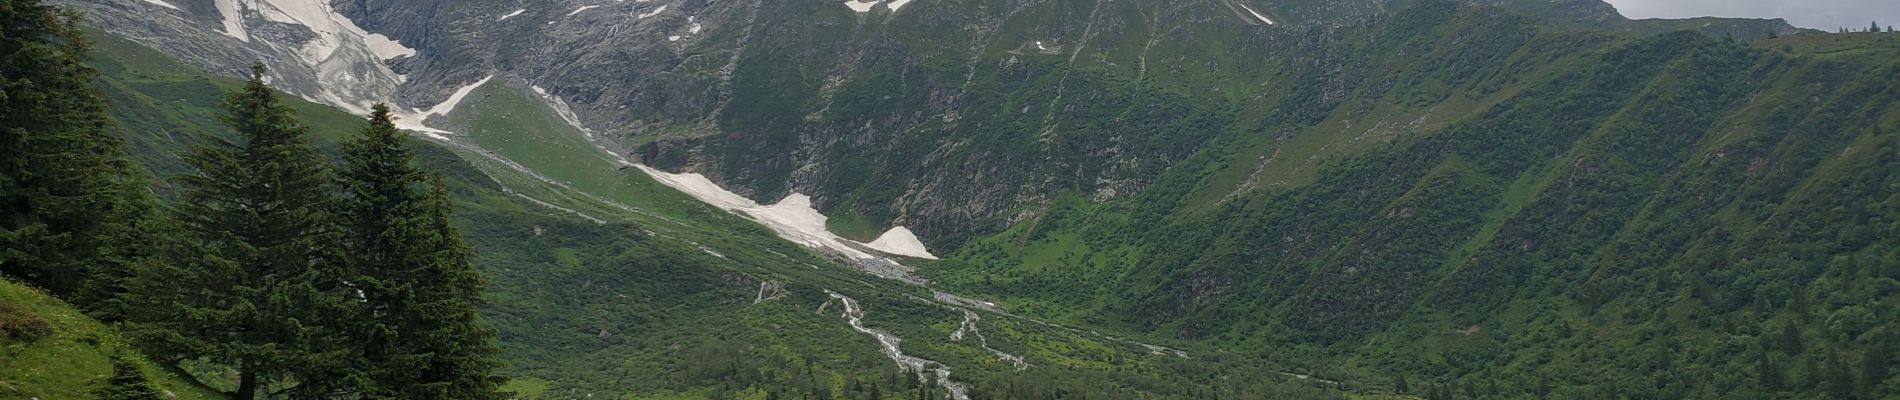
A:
[1818,14]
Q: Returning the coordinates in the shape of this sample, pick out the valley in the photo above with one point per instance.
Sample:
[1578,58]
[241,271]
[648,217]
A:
[974,199]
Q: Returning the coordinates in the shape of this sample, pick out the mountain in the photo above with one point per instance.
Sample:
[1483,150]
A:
[605,281]
[1509,198]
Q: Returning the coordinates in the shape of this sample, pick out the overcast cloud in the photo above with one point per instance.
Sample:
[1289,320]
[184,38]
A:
[1818,14]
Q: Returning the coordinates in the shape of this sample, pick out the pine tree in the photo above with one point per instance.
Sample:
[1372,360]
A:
[251,284]
[419,292]
[1790,339]
[67,194]
[1769,374]
[1838,378]
[126,383]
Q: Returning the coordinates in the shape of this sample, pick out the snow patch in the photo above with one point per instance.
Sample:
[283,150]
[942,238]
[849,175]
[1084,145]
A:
[860,6]
[578,10]
[655,11]
[512,15]
[347,61]
[792,218]
[414,119]
[162,3]
[1256,14]
[900,241]
[233,19]
[333,30]
[562,109]
[896,4]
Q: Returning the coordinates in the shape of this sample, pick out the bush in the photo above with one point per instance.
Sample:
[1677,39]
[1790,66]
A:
[19,324]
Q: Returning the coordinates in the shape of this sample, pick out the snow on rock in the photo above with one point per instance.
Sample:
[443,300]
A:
[333,30]
[414,119]
[655,11]
[511,15]
[860,6]
[1256,14]
[900,241]
[233,19]
[347,61]
[162,3]
[562,109]
[792,218]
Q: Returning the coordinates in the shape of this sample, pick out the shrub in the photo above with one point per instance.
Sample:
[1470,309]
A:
[19,324]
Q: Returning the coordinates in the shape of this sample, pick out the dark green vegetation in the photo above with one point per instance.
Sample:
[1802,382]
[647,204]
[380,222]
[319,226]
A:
[249,273]
[1469,198]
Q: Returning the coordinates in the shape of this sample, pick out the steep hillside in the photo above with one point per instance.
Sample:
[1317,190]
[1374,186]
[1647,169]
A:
[605,282]
[49,350]
[1667,217]
[1503,198]
[765,97]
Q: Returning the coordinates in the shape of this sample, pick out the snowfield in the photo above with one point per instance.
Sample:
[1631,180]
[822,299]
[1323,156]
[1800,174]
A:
[348,61]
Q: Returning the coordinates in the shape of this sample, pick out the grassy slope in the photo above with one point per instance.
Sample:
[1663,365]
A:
[73,358]
[605,283]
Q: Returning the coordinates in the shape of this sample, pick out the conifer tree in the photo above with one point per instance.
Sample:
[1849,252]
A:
[67,195]
[420,293]
[126,383]
[252,284]
[1790,339]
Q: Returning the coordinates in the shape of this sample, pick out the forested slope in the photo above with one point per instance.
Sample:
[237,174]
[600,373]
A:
[1668,216]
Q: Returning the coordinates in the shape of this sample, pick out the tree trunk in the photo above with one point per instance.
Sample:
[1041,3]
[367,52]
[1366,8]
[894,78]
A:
[247,386]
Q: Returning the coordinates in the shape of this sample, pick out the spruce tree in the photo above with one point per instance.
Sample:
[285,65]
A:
[419,292]
[1874,368]
[67,195]
[126,383]
[252,284]
[1790,339]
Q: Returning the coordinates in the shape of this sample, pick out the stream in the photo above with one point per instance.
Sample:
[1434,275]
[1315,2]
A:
[889,344]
